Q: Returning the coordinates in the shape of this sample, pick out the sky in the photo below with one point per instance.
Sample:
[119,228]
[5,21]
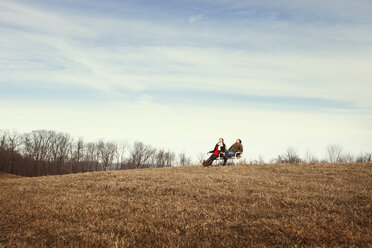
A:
[181,74]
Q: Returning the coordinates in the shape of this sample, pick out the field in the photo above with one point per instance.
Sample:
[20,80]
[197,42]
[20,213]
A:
[233,206]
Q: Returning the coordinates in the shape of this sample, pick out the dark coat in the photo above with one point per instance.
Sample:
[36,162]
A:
[223,148]
[236,148]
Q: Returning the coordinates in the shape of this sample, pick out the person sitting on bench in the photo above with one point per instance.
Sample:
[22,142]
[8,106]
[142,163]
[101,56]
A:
[219,148]
[236,147]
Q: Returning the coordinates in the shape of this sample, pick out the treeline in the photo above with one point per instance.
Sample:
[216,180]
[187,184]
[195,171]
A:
[45,152]
[334,154]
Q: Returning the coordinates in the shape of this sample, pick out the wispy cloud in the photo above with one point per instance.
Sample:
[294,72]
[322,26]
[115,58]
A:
[273,56]
[195,18]
[116,53]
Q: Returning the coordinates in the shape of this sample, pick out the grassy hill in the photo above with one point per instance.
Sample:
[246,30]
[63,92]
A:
[7,176]
[233,206]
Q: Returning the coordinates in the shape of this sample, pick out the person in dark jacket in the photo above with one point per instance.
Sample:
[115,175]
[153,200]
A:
[236,147]
[219,148]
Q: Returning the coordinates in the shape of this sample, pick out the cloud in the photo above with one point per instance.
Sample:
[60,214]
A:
[277,67]
[196,18]
[302,12]
[81,54]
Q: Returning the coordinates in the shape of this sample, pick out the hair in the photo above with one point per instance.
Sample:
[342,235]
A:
[240,141]
[223,142]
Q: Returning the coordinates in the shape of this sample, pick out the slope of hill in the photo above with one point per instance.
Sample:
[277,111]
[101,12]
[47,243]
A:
[7,176]
[233,206]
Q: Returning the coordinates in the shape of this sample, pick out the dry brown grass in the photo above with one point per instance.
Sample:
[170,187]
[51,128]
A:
[234,206]
[7,176]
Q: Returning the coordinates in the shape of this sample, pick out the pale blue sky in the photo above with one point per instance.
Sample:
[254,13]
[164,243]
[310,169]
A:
[181,74]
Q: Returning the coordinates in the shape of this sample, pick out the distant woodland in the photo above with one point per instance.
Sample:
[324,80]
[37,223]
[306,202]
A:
[45,152]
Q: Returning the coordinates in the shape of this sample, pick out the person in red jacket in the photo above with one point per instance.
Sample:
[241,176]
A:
[219,148]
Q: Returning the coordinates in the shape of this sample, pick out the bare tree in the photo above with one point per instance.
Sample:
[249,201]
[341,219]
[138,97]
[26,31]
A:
[347,158]
[160,158]
[334,153]
[45,152]
[140,153]
[107,152]
[122,148]
[90,156]
[152,159]
[291,156]
[309,157]
[149,158]
[14,141]
[35,148]
[169,158]
[183,159]
[3,151]
[364,158]
[201,157]
[64,141]
[3,139]
[77,155]
[279,160]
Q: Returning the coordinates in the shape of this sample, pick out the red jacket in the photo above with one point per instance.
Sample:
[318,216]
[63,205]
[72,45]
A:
[217,152]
